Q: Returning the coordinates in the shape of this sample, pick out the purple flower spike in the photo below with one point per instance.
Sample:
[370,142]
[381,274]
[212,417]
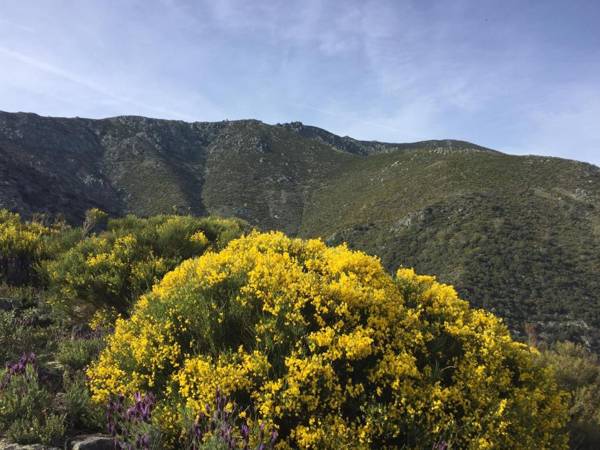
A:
[18,368]
[126,424]
[245,432]
[197,431]
[131,413]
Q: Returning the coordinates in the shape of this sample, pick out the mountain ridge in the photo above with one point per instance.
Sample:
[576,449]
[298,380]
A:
[519,235]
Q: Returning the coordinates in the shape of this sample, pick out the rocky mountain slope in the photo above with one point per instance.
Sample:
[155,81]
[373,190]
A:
[519,235]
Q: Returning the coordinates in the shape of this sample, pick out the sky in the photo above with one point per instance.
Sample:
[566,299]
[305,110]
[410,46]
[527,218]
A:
[520,76]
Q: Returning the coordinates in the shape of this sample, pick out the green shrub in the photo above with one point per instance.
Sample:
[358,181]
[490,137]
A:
[578,372]
[111,269]
[76,354]
[19,297]
[36,412]
[27,412]
[18,336]
[60,242]
[95,220]
[28,329]
[79,410]
[31,430]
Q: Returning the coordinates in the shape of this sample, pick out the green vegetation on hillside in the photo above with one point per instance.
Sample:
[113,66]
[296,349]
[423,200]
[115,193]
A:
[113,268]
[300,343]
[61,288]
[519,236]
[578,372]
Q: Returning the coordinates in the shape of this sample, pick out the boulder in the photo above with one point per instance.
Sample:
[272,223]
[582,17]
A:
[93,442]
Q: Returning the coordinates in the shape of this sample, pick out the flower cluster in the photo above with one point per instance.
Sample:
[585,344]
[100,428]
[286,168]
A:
[331,351]
[226,424]
[17,368]
[129,425]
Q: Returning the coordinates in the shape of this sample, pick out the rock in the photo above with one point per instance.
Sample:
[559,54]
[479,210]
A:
[94,442]
[51,373]
[5,445]
[6,304]
[80,331]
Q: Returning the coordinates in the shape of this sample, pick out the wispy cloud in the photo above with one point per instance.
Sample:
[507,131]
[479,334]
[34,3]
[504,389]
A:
[348,117]
[16,26]
[511,75]
[559,130]
[85,83]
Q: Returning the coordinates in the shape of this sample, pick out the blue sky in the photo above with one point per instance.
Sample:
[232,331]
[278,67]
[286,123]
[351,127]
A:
[518,76]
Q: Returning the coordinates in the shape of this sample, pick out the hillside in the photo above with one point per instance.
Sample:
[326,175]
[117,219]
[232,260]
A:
[517,235]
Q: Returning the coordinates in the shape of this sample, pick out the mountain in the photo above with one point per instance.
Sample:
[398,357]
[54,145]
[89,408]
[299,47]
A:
[518,235]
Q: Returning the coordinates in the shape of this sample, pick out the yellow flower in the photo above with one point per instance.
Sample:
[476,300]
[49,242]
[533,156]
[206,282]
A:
[326,344]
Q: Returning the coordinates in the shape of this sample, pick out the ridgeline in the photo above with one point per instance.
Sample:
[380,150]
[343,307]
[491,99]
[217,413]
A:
[517,235]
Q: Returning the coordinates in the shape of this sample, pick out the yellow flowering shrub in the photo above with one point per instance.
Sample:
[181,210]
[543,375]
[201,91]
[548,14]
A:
[332,351]
[21,247]
[113,268]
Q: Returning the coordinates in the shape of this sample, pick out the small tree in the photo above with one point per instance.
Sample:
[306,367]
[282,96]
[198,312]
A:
[95,220]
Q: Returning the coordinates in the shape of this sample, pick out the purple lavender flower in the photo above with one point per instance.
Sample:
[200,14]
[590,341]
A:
[245,431]
[18,368]
[126,425]
[197,430]
[228,426]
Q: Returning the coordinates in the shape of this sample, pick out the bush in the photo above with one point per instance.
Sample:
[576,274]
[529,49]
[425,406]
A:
[95,220]
[30,430]
[26,327]
[26,409]
[331,351]
[21,248]
[130,426]
[80,412]
[40,409]
[76,354]
[578,372]
[113,268]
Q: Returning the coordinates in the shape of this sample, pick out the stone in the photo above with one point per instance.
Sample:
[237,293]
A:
[94,442]
[5,445]
[6,304]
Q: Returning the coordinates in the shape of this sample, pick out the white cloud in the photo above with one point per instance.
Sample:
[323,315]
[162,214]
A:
[101,94]
[385,70]
[565,125]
